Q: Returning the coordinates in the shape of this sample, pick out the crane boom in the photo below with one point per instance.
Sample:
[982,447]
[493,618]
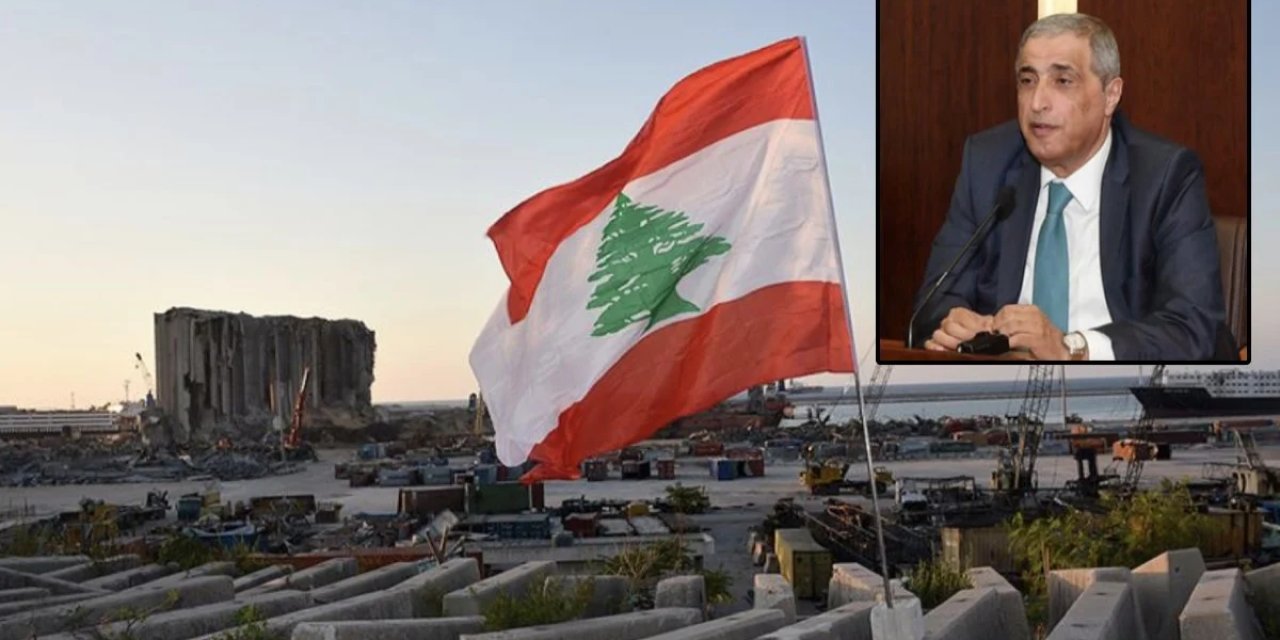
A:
[294,438]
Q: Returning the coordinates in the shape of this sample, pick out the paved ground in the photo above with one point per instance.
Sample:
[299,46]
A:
[781,480]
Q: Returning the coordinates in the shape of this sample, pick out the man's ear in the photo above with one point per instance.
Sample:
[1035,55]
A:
[1111,93]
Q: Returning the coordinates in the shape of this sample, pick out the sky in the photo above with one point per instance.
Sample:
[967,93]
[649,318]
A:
[344,160]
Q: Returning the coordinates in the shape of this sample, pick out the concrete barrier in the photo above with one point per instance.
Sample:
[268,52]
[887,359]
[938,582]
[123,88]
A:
[1264,583]
[471,601]
[23,593]
[745,625]
[1162,586]
[207,569]
[1105,611]
[428,588]
[969,614]
[849,622]
[624,626]
[379,605]
[130,578]
[772,591]
[94,611]
[196,621]
[95,569]
[681,591]
[10,579]
[1013,613]
[327,572]
[262,576]
[905,621]
[1065,585]
[609,595]
[852,582]
[11,608]
[1217,609]
[433,629]
[42,564]
[383,577]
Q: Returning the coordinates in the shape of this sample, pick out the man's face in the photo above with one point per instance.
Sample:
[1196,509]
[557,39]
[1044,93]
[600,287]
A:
[1063,109]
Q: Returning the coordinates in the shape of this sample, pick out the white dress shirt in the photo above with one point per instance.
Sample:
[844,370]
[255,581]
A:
[1087,304]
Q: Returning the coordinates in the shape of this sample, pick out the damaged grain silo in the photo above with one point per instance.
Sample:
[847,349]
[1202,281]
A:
[229,374]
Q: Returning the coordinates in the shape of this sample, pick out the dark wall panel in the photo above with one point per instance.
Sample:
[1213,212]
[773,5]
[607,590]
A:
[945,72]
[1185,70]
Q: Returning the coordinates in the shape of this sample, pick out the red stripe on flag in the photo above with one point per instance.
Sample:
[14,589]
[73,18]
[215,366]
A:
[712,104]
[781,331]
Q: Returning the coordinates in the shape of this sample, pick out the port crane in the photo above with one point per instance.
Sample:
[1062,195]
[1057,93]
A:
[1138,450]
[141,366]
[1015,473]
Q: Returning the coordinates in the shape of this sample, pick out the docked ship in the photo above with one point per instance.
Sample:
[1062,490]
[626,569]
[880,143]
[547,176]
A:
[1191,394]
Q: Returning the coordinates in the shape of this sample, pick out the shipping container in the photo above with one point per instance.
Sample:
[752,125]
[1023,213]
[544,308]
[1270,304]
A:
[396,477]
[582,525]
[432,474]
[504,497]
[977,547]
[362,477]
[707,449]
[189,508]
[1233,534]
[755,468]
[485,473]
[724,469]
[525,526]
[666,469]
[596,470]
[424,503]
[635,469]
[803,562]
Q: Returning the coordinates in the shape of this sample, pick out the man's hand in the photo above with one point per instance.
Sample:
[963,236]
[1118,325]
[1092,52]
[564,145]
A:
[1028,328]
[960,324]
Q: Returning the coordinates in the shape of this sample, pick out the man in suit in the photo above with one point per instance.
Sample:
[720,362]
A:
[1110,251]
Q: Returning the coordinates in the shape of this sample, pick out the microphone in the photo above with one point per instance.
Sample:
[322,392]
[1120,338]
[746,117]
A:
[1004,206]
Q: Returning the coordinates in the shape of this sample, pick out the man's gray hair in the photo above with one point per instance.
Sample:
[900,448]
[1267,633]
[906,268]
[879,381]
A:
[1106,55]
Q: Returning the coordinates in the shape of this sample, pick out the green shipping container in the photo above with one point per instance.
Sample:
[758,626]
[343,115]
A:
[804,563]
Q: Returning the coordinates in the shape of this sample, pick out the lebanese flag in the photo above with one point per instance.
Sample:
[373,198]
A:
[700,262]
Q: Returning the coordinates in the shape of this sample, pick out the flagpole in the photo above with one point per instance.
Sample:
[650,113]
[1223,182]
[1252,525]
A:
[853,348]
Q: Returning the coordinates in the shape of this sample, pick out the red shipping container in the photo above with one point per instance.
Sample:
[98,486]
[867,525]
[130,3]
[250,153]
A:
[666,469]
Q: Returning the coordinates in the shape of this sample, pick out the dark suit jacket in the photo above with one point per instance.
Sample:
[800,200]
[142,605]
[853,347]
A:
[1160,269]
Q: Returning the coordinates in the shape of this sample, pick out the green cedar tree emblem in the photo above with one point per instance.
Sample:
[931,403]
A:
[645,252]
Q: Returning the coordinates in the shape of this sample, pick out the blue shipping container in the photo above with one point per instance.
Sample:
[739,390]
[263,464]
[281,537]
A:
[724,469]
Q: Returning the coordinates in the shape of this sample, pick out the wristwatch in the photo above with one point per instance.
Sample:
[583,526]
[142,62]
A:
[1077,346]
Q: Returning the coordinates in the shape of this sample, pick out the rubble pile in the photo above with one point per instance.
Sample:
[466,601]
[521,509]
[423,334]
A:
[25,464]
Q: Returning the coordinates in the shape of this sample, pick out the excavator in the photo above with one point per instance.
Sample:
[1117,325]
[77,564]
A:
[827,476]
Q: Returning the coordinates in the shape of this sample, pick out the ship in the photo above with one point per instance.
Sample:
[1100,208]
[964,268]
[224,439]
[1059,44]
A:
[1197,394]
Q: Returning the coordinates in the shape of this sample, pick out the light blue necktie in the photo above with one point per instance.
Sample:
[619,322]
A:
[1051,289]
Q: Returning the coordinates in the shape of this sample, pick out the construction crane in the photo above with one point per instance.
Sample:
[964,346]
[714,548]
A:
[293,439]
[1015,474]
[879,380]
[1137,450]
[141,366]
